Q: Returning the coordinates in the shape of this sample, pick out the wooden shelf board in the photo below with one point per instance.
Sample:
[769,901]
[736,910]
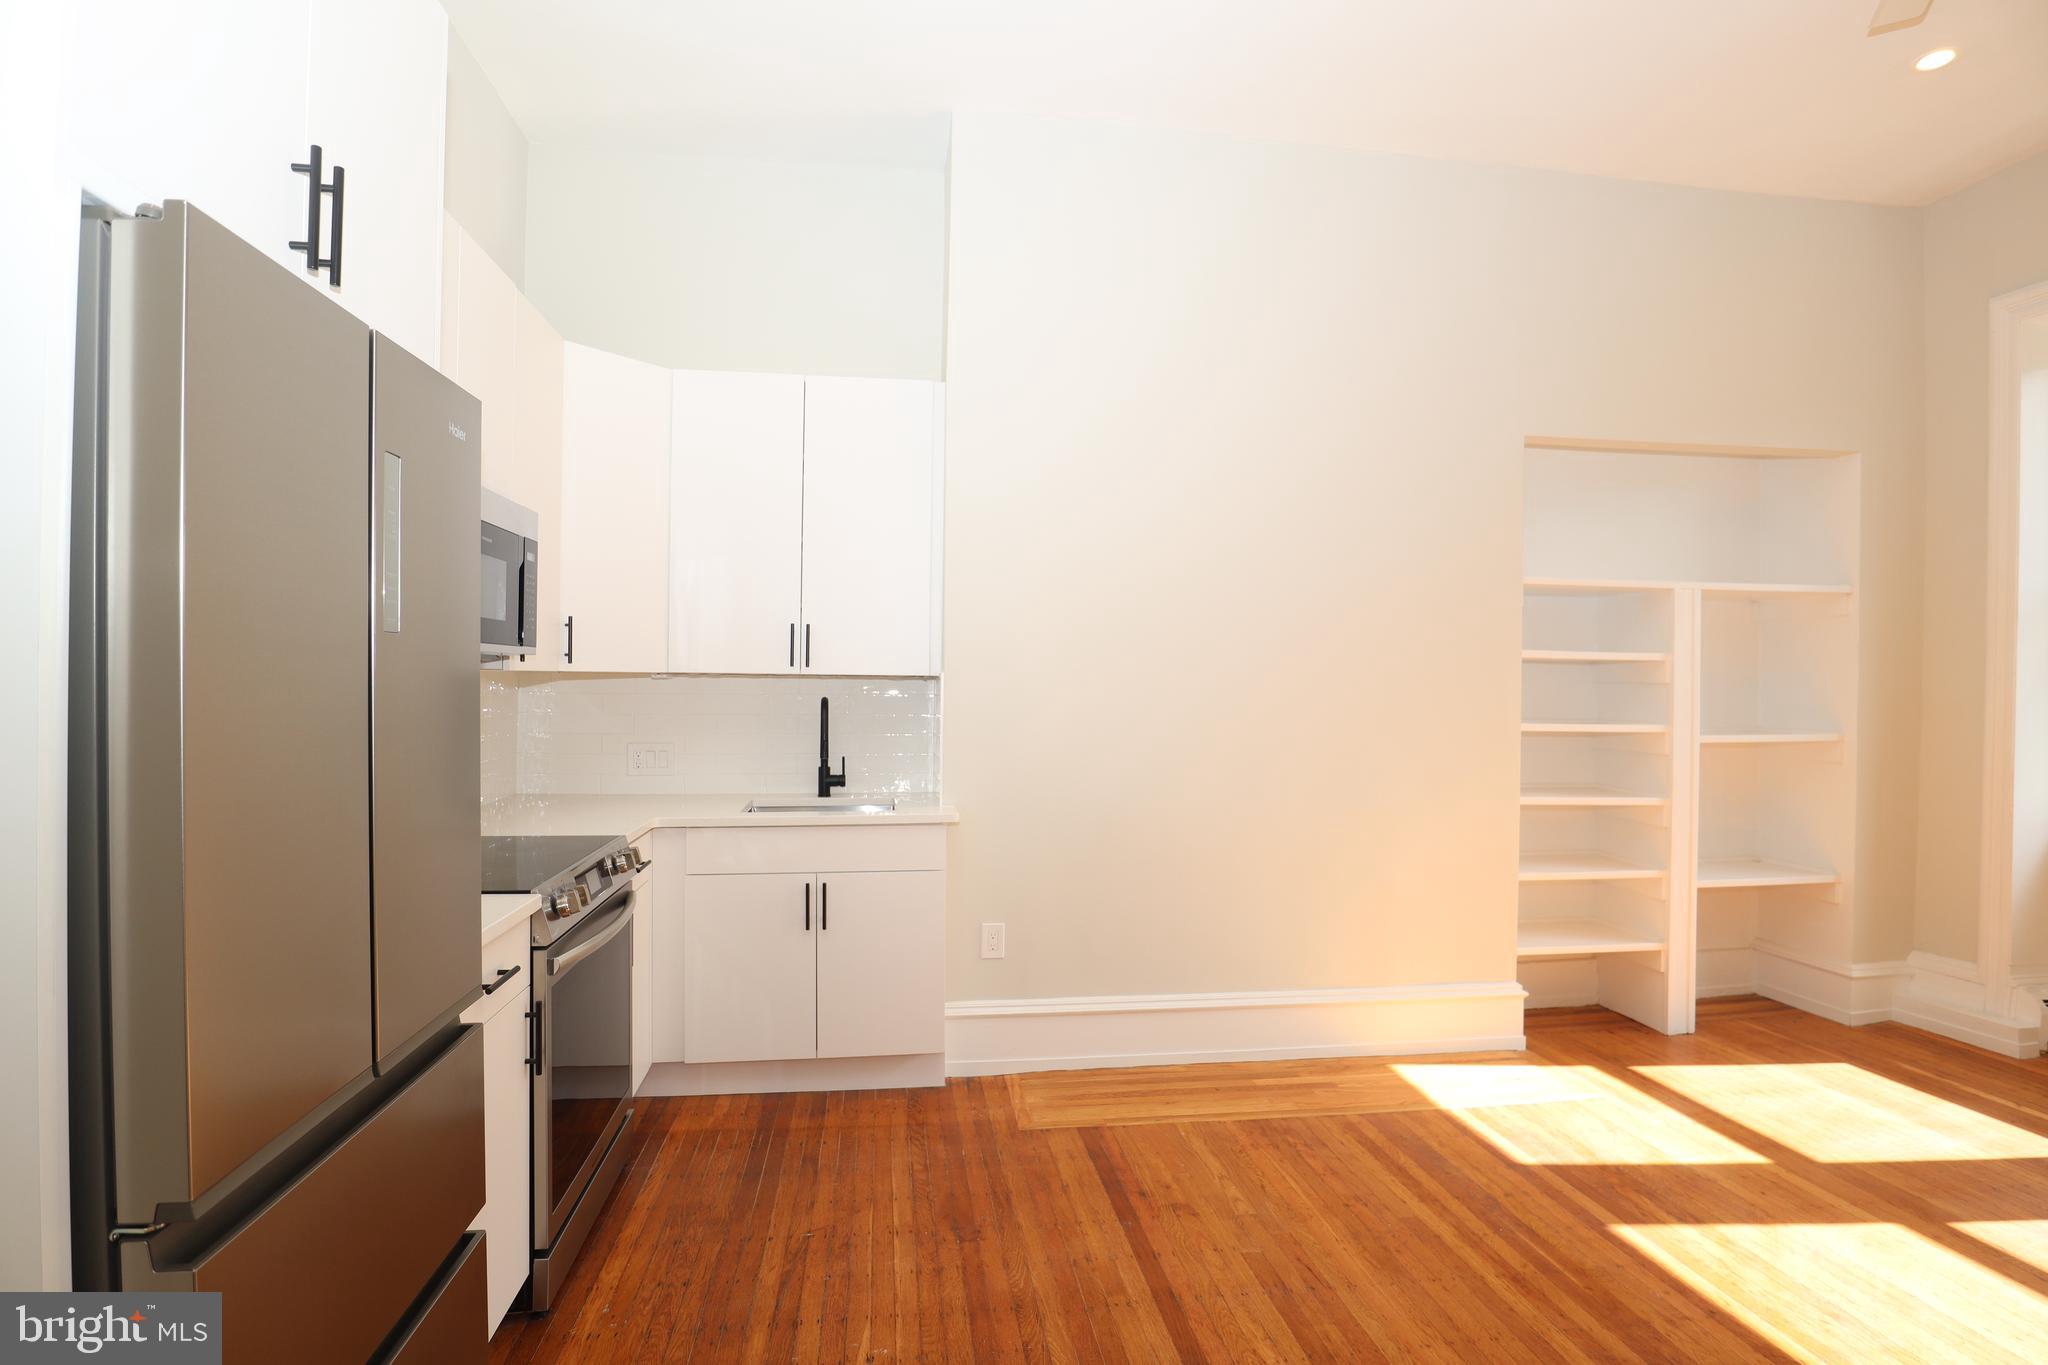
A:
[1777,589]
[1594,656]
[1736,872]
[1592,727]
[1601,445]
[1711,587]
[1578,938]
[1773,737]
[1563,794]
[1580,867]
[1596,585]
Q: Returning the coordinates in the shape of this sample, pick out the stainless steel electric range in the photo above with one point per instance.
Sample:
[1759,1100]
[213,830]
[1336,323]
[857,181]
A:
[580,1030]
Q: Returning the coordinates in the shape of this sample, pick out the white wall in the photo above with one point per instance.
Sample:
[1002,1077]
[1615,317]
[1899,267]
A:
[485,189]
[703,260]
[38,255]
[1984,241]
[1234,436]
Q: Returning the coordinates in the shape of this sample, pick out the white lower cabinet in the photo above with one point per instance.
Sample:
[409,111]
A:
[776,960]
[881,963]
[508,1100]
[641,1033]
[750,974]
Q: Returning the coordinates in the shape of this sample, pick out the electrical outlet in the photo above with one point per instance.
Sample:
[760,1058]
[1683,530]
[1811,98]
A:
[650,760]
[992,940]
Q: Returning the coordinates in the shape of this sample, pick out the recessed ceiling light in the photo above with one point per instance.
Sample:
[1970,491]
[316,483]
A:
[1936,60]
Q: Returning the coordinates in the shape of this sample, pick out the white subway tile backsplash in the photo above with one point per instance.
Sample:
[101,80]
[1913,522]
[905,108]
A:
[498,716]
[740,735]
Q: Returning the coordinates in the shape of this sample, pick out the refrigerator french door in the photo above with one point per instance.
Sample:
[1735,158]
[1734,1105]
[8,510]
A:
[273,772]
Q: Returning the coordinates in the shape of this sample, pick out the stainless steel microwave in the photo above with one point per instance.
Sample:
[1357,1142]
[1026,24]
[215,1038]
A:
[511,579]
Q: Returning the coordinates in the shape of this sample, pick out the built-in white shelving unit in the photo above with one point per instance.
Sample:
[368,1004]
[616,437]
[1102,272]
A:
[1688,719]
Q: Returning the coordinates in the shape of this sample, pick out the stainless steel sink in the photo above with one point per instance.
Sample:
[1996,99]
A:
[820,807]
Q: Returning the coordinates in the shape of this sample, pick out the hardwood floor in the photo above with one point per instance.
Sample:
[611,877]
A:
[1773,1187]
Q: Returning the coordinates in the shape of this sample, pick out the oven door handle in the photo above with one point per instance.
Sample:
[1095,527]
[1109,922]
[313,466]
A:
[562,962]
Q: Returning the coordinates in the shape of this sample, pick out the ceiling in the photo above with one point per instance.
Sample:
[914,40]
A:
[1774,96]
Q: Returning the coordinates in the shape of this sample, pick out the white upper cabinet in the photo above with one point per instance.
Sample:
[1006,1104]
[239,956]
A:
[736,537]
[483,355]
[613,547]
[870,470]
[805,525]
[377,103]
[535,478]
[212,111]
[214,103]
[498,346]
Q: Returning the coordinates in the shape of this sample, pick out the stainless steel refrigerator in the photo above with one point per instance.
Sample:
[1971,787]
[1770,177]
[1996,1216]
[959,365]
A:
[274,833]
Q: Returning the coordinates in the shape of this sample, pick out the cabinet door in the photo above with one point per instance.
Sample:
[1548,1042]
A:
[168,105]
[483,355]
[749,968]
[377,103]
[881,963]
[870,450]
[537,454]
[641,1046]
[613,549]
[508,1108]
[666,972]
[736,525]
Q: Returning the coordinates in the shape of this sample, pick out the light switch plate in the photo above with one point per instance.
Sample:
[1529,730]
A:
[650,760]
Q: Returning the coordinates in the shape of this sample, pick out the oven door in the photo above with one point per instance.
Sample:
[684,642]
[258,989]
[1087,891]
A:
[507,604]
[583,1079]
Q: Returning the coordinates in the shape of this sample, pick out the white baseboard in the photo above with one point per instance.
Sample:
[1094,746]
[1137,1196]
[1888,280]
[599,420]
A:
[997,1037]
[1852,993]
[1946,996]
[823,1073]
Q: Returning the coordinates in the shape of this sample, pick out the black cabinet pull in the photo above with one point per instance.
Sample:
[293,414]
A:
[792,644]
[311,168]
[571,624]
[334,221]
[807,907]
[824,905]
[540,1037]
[504,974]
[807,644]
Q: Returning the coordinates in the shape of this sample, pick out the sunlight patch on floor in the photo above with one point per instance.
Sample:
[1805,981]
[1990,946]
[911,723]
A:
[2023,1239]
[1851,1291]
[1838,1112]
[1571,1116]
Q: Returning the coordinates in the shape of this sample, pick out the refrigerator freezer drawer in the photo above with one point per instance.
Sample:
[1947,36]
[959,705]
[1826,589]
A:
[447,1326]
[326,1270]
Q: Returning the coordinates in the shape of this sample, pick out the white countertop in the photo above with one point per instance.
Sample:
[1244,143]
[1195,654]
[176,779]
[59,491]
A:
[634,816]
[502,912]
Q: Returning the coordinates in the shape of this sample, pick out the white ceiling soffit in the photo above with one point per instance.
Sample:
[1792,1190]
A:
[1774,96]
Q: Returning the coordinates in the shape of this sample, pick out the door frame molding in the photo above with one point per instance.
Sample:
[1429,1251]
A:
[1997,995]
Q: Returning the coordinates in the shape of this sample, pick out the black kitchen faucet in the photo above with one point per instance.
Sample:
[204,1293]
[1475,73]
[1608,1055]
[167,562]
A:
[827,779]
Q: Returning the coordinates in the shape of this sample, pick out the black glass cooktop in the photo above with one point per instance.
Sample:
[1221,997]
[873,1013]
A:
[518,863]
